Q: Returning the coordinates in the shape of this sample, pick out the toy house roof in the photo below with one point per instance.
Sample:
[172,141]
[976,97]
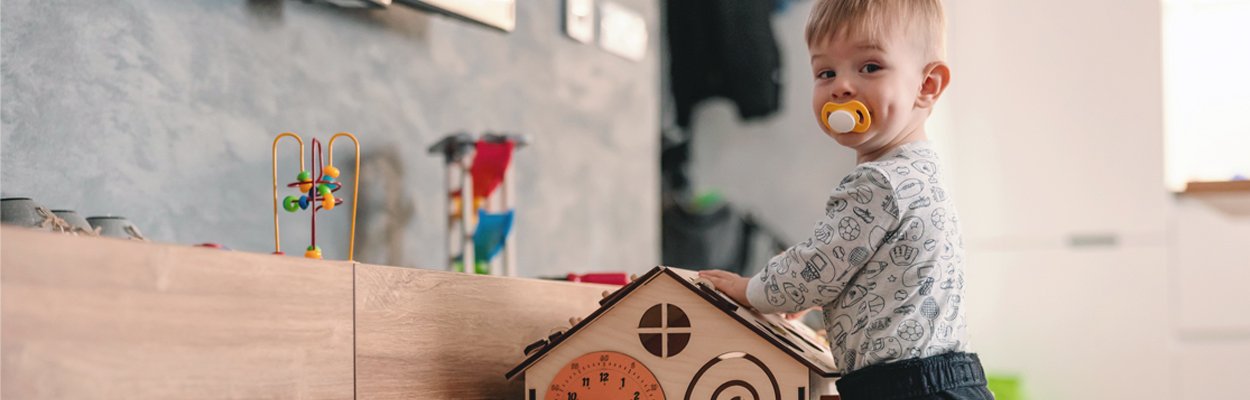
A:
[772,328]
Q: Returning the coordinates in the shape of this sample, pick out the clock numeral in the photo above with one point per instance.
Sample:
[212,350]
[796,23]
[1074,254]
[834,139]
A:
[603,358]
[574,366]
[585,382]
[622,383]
[635,395]
[603,377]
[572,395]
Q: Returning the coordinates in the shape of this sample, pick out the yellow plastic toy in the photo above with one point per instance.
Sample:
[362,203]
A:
[846,117]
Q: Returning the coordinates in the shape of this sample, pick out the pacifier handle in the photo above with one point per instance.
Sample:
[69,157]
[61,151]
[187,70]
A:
[852,116]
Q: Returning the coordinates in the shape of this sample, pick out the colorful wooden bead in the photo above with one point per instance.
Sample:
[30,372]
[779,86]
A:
[313,252]
[303,202]
[304,176]
[328,202]
[290,203]
[324,189]
[330,171]
[305,187]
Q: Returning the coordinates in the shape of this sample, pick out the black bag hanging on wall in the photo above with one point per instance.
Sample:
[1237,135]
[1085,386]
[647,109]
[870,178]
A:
[723,48]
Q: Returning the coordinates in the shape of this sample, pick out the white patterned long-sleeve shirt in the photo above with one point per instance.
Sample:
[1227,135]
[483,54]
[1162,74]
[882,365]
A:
[885,264]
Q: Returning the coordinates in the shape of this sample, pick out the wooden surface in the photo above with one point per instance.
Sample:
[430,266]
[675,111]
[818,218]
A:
[1218,187]
[97,318]
[438,335]
[1231,198]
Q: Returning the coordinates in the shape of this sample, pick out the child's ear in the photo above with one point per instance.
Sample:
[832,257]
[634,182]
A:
[937,76]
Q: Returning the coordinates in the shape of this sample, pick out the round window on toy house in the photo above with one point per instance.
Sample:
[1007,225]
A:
[664,330]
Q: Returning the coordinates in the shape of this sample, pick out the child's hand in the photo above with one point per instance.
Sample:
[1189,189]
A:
[729,283]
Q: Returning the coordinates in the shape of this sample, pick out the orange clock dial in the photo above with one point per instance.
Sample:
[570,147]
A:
[604,375]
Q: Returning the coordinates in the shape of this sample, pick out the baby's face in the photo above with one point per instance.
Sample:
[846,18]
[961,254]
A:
[886,75]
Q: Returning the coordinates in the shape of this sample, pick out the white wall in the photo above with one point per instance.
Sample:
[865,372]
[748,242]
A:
[1053,133]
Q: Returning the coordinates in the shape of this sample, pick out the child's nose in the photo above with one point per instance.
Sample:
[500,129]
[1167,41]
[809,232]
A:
[842,90]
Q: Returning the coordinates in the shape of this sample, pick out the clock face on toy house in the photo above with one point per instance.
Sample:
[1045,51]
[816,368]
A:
[664,337]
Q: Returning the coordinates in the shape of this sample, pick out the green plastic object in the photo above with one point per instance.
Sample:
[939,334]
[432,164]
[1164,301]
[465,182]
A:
[482,267]
[1005,387]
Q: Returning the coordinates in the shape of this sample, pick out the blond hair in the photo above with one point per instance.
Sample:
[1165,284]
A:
[875,18]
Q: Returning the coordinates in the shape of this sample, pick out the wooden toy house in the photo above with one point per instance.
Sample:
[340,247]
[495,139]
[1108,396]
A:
[667,336]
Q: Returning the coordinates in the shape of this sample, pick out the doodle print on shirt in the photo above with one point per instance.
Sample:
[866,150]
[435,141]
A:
[864,215]
[872,269]
[848,229]
[878,236]
[828,292]
[878,179]
[886,348]
[879,324]
[925,167]
[922,275]
[872,305]
[938,217]
[817,266]
[780,265]
[930,310]
[910,188]
[859,256]
[839,253]
[953,312]
[911,229]
[834,206]
[774,293]
[890,206]
[795,292]
[839,328]
[910,330]
[919,203]
[853,295]
[861,194]
[956,281]
[824,233]
[903,255]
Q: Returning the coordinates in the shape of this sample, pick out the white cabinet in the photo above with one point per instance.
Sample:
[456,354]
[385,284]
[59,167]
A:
[1072,324]
[1053,130]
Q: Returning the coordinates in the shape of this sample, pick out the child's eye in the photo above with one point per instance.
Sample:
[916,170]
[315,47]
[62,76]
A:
[826,74]
[870,68]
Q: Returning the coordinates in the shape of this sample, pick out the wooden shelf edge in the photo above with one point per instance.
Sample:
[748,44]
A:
[1217,187]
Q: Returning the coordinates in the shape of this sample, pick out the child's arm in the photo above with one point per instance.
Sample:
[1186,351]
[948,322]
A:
[860,216]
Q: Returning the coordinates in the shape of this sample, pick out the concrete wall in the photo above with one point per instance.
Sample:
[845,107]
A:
[164,111]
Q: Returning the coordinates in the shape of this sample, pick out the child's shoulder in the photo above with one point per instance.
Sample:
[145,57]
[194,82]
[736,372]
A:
[915,160]
[903,173]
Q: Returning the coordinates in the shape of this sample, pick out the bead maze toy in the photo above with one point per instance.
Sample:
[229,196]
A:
[480,217]
[317,190]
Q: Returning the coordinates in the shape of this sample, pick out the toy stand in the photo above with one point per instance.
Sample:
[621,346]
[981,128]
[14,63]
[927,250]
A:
[479,219]
[317,187]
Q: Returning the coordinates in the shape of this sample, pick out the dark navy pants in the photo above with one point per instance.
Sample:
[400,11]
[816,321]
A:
[951,376]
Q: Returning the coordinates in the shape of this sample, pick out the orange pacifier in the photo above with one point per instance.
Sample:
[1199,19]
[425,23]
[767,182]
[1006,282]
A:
[848,117]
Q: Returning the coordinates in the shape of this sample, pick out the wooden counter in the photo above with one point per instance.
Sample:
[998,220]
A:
[96,318]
